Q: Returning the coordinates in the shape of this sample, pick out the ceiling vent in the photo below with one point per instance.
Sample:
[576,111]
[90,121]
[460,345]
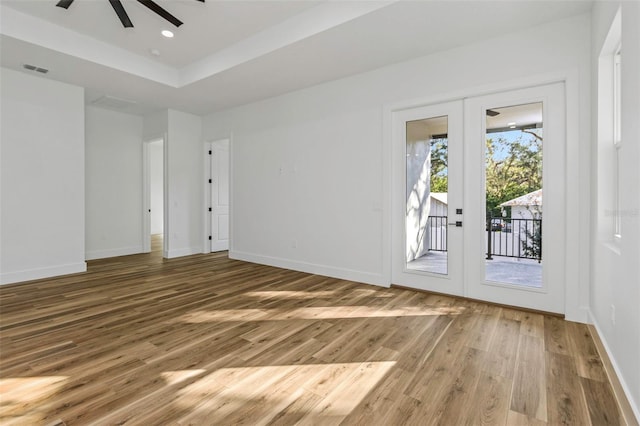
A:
[112,102]
[34,68]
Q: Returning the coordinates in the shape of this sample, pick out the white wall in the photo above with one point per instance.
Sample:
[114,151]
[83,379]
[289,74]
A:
[114,203]
[184,174]
[185,179]
[156,186]
[42,178]
[418,189]
[615,280]
[155,125]
[307,167]
[438,208]
[525,212]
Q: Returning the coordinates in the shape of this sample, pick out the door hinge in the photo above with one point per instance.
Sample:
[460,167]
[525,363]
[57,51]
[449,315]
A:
[210,181]
[209,152]
[210,238]
[210,209]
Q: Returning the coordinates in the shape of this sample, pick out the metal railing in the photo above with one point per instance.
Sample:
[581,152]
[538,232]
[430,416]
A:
[511,237]
[506,237]
[436,232]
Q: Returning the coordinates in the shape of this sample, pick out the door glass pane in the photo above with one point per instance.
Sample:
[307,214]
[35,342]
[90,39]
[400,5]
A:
[513,188]
[426,191]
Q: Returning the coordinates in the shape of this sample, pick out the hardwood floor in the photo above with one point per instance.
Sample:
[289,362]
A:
[206,340]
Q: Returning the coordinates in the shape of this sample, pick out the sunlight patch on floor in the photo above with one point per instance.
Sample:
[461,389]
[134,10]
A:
[173,377]
[314,313]
[283,294]
[224,315]
[336,312]
[22,397]
[254,395]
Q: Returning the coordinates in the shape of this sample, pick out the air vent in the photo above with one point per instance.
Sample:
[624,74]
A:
[112,102]
[34,68]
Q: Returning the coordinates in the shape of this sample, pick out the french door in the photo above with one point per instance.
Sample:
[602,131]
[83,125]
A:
[478,198]
[428,147]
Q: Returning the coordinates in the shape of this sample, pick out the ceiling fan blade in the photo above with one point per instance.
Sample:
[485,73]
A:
[64,3]
[492,113]
[160,11]
[122,14]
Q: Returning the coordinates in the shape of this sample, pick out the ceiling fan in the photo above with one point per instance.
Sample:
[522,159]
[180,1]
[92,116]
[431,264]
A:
[122,13]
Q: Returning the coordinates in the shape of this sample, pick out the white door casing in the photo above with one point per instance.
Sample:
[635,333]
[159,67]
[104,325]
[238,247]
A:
[466,158]
[147,181]
[219,194]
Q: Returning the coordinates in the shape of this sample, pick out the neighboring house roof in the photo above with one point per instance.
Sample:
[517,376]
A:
[531,199]
[440,196]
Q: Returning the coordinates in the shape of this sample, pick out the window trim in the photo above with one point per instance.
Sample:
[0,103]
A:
[617,139]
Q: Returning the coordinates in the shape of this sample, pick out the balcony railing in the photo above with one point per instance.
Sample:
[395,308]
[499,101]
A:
[506,237]
[436,232]
[514,237]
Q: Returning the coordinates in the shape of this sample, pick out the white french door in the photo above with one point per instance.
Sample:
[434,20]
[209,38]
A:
[428,247]
[531,283]
[478,198]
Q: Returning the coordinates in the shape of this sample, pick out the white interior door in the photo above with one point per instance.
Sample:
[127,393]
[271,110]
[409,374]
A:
[219,172]
[428,179]
[529,268]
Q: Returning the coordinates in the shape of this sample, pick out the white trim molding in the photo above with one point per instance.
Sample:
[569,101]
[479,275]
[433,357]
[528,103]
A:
[312,268]
[619,377]
[122,251]
[39,273]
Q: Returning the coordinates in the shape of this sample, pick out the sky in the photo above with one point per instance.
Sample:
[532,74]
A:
[501,150]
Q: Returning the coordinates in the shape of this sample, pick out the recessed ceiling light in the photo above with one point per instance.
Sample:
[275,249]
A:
[167,33]
[511,124]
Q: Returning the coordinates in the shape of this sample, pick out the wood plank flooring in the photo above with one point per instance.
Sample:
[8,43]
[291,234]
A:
[204,340]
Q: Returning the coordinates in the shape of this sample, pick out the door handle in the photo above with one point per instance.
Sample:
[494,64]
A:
[457,224]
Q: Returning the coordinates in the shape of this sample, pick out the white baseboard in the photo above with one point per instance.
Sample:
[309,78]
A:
[182,252]
[577,314]
[122,251]
[39,273]
[312,268]
[614,364]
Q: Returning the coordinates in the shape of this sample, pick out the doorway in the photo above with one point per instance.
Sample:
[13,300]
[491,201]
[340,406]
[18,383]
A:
[475,177]
[154,220]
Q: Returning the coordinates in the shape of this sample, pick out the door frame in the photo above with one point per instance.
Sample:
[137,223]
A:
[206,217]
[146,193]
[551,296]
[451,282]
[576,170]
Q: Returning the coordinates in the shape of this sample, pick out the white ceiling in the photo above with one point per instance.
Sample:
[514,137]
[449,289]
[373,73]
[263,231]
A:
[208,27]
[231,52]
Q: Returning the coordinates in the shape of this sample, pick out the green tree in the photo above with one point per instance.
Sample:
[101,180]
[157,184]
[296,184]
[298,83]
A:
[439,181]
[513,168]
[532,244]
